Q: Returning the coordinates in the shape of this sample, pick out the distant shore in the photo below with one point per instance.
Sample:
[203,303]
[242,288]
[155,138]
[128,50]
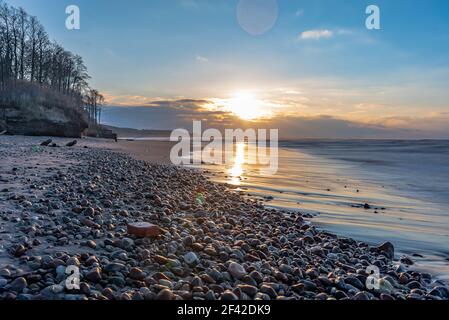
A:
[70,206]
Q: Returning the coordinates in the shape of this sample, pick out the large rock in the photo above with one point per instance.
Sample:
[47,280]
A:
[144,229]
[386,249]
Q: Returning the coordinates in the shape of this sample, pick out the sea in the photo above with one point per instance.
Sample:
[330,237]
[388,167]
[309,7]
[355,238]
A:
[371,190]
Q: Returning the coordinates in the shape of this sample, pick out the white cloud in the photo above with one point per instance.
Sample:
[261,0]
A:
[316,34]
[345,32]
[201,59]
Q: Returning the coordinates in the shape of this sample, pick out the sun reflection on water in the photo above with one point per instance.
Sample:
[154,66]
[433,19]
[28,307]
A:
[236,172]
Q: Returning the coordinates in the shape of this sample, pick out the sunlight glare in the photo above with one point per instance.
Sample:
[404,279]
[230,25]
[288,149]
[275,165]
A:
[246,106]
[239,160]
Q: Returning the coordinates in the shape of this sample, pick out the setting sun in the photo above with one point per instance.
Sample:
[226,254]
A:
[246,106]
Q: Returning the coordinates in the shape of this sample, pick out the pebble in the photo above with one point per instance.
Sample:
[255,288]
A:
[267,289]
[249,290]
[236,270]
[52,292]
[386,248]
[136,274]
[361,296]
[114,267]
[3,282]
[165,294]
[19,284]
[94,275]
[191,259]
[228,295]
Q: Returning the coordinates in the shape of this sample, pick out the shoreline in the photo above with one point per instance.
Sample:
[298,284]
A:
[71,206]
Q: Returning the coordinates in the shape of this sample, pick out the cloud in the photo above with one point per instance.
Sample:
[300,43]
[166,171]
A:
[345,32]
[316,34]
[168,114]
[202,59]
[125,100]
[180,103]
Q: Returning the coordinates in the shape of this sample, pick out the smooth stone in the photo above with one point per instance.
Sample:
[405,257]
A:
[165,294]
[127,243]
[361,296]
[94,275]
[136,274]
[249,290]
[118,281]
[52,292]
[236,270]
[114,267]
[228,295]
[355,282]
[191,259]
[19,284]
[268,290]
[3,282]
[387,248]
[414,285]
[309,285]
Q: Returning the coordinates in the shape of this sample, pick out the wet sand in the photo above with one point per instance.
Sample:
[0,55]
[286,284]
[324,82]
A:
[153,151]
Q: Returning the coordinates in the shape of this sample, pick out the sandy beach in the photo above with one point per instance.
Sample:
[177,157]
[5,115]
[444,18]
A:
[67,207]
[153,151]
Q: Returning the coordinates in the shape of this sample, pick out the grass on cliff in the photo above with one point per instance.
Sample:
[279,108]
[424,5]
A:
[33,100]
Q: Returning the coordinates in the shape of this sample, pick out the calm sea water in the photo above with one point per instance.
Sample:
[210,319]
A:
[405,183]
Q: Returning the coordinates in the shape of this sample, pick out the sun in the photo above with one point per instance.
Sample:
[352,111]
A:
[246,106]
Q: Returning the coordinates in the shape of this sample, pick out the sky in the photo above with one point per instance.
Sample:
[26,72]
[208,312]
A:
[310,68]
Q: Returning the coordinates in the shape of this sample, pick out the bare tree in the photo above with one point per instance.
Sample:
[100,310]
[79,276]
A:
[27,54]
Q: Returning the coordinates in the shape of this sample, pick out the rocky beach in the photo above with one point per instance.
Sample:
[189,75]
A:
[138,230]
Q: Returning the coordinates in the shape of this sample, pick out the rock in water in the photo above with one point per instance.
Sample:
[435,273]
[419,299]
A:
[236,270]
[144,230]
[387,249]
[46,142]
[71,144]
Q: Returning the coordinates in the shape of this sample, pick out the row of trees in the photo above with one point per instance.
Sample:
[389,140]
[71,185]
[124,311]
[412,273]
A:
[28,54]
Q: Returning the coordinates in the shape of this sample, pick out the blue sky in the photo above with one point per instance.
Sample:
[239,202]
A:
[139,51]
